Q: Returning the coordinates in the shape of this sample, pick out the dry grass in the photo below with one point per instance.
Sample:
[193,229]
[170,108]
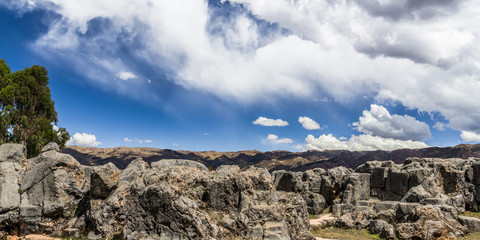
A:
[345,234]
[473,236]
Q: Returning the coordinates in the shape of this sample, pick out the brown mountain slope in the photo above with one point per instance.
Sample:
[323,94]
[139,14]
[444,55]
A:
[276,160]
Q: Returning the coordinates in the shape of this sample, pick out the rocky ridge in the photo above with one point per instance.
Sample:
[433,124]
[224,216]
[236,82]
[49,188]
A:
[54,194]
[181,199]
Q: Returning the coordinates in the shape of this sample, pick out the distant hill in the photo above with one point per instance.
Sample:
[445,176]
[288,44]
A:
[276,160]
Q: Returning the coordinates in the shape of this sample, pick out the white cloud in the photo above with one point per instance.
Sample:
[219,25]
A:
[439,126]
[359,143]
[470,136]
[378,122]
[126,75]
[424,56]
[128,140]
[83,139]
[273,139]
[55,128]
[309,123]
[270,122]
[175,144]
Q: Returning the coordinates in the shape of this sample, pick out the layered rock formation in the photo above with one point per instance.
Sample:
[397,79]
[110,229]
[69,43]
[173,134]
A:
[421,199]
[175,199]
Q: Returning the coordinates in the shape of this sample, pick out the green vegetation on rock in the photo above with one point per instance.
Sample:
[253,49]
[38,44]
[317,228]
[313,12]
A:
[27,110]
[471,214]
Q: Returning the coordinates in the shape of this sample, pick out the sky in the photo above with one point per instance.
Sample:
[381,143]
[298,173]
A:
[229,75]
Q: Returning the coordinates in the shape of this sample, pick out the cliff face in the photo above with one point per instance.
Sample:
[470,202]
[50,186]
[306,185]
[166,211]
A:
[170,199]
[276,160]
[182,199]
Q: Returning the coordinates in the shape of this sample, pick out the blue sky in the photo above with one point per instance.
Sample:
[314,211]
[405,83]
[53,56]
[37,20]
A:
[198,75]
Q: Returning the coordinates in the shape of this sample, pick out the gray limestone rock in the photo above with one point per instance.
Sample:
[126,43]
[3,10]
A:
[315,202]
[227,169]
[397,182]
[379,177]
[9,186]
[376,226]
[178,162]
[53,146]
[103,180]
[472,223]
[10,152]
[52,186]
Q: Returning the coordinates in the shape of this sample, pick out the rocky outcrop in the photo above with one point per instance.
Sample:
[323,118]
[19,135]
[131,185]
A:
[182,199]
[172,199]
[421,199]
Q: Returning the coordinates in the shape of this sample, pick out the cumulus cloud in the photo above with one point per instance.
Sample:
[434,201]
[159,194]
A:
[83,139]
[309,123]
[359,143]
[127,140]
[148,141]
[273,139]
[470,136]
[378,122]
[126,75]
[394,49]
[270,122]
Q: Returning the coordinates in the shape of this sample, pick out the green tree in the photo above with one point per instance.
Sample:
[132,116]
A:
[27,109]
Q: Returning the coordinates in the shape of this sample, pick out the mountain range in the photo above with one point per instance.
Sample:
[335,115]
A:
[274,160]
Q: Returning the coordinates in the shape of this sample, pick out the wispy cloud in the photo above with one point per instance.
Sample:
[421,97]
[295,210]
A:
[270,122]
[128,140]
[439,126]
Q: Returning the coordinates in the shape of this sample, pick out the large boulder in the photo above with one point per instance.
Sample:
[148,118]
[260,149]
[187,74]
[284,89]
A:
[12,158]
[51,188]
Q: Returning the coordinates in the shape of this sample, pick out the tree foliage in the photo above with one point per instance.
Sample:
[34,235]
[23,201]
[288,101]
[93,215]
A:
[27,110]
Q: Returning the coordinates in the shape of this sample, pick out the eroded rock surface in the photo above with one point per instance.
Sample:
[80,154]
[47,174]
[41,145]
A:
[174,199]
[421,199]
[181,199]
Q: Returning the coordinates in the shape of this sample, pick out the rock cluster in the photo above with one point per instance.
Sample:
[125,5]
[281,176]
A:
[181,199]
[174,199]
[421,199]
